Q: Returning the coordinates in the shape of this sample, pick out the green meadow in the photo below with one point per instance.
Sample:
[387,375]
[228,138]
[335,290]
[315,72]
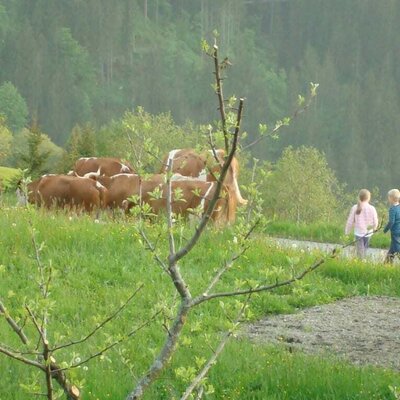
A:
[97,266]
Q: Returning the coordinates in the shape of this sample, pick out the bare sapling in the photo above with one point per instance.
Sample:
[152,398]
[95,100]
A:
[230,132]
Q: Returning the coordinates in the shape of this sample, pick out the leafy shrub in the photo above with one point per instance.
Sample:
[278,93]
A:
[34,151]
[144,138]
[302,187]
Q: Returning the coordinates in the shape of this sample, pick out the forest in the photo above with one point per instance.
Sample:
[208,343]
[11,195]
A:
[64,63]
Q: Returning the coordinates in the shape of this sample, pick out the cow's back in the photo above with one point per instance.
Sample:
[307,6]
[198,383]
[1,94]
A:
[68,191]
[185,162]
[120,187]
[102,165]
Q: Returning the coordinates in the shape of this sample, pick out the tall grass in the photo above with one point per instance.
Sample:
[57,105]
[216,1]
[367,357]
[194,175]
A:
[97,266]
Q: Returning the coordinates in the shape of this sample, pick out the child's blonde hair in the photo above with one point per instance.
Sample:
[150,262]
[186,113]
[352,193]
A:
[394,194]
[363,195]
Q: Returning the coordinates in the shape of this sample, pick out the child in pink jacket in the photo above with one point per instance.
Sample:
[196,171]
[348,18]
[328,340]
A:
[364,219]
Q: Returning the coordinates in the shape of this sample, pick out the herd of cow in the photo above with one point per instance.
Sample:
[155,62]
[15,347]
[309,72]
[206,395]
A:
[107,183]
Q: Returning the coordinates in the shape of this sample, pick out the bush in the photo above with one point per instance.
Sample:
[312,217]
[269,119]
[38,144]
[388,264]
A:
[144,139]
[302,187]
[34,150]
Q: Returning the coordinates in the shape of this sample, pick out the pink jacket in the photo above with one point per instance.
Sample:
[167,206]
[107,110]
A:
[368,218]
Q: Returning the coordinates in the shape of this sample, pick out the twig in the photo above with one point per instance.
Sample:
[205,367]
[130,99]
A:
[221,271]
[202,298]
[18,357]
[220,96]
[203,222]
[335,252]
[102,324]
[47,363]
[295,114]
[206,368]
[171,239]
[200,393]
[152,248]
[165,353]
[111,345]
[14,326]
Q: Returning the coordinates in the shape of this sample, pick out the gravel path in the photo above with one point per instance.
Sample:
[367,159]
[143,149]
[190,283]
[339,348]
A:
[374,255]
[363,330]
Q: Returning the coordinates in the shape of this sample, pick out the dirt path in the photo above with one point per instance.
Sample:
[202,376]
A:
[374,255]
[363,330]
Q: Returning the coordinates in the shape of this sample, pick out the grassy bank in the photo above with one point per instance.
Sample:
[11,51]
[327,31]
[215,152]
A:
[320,232]
[97,266]
[7,173]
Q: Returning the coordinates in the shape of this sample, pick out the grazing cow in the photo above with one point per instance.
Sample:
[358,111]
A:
[100,166]
[120,187]
[187,195]
[65,191]
[205,167]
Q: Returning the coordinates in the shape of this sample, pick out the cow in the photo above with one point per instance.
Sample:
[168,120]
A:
[87,166]
[63,191]
[122,186]
[204,166]
[188,195]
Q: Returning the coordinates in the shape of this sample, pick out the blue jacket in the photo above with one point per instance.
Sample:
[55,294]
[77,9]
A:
[394,221]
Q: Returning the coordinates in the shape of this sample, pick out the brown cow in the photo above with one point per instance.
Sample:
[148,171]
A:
[100,166]
[122,186]
[204,166]
[188,195]
[70,192]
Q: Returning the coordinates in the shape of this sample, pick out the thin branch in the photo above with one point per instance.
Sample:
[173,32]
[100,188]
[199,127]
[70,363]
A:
[203,222]
[335,252]
[14,326]
[221,271]
[38,261]
[18,357]
[212,146]
[47,363]
[171,239]
[229,264]
[165,353]
[295,114]
[102,324]
[203,298]
[152,248]
[35,322]
[206,368]
[220,95]
[200,393]
[111,345]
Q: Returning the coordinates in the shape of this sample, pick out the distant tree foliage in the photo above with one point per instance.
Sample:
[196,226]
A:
[35,152]
[302,188]
[5,141]
[91,61]
[13,106]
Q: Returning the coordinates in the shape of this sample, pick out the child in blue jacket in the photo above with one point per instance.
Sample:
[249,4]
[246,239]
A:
[393,225]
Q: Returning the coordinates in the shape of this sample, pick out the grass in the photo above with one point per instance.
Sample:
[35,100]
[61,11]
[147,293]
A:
[97,266]
[7,173]
[319,232]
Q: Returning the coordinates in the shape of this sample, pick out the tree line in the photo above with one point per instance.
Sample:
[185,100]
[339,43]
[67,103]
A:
[88,62]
